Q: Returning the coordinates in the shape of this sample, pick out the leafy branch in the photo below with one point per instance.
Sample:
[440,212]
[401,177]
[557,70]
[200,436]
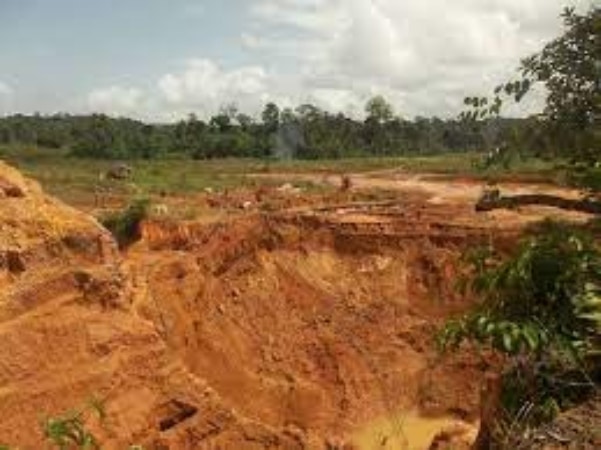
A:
[546,297]
[569,69]
[541,309]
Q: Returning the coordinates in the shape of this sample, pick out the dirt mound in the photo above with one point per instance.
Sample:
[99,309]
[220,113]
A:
[67,333]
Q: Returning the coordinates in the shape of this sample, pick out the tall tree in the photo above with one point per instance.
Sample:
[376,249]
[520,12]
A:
[271,117]
[379,110]
[569,68]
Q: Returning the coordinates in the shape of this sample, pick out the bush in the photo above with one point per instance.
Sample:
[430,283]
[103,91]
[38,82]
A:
[541,308]
[125,224]
[585,177]
[545,297]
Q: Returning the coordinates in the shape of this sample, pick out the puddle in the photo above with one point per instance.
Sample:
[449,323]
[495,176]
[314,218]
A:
[405,431]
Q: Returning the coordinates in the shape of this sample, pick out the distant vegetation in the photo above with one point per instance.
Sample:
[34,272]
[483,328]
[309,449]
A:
[306,132]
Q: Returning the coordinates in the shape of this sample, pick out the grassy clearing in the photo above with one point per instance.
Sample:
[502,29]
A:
[75,180]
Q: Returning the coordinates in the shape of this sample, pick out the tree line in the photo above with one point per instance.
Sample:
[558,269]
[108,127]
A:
[306,132]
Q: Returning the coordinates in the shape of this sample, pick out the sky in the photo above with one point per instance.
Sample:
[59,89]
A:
[160,60]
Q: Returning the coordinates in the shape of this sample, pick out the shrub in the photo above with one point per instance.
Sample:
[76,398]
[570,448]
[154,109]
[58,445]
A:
[69,431]
[545,298]
[542,309]
[125,224]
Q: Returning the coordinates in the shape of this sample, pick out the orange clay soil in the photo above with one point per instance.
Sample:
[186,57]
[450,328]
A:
[68,333]
[321,318]
[304,327]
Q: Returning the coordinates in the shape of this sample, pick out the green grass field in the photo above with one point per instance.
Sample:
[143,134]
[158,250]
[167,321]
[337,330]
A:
[74,180]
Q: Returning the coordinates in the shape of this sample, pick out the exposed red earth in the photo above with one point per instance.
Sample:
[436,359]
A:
[307,324]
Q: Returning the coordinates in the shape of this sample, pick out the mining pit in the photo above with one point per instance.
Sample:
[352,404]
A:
[286,321]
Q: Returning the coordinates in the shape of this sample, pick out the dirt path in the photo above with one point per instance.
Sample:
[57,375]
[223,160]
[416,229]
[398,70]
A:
[439,189]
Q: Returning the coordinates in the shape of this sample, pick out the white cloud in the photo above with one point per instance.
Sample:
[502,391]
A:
[116,100]
[332,99]
[316,15]
[425,54]
[204,85]
[5,89]
[6,98]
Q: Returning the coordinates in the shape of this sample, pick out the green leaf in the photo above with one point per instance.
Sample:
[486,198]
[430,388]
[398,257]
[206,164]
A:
[98,407]
[516,339]
[531,337]
[593,317]
[508,344]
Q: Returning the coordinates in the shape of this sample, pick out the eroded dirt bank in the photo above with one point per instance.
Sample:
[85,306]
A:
[67,334]
[321,320]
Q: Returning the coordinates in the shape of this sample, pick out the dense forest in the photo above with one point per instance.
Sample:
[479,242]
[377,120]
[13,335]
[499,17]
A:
[306,132]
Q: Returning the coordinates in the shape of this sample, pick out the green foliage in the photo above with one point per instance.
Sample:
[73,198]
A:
[69,430]
[271,117]
[379,110]
[125,225]
[585,176]
[541,308]
[569,68]
[232,134]
[546,297]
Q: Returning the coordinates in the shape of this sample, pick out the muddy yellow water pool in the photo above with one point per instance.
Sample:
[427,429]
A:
[403,431]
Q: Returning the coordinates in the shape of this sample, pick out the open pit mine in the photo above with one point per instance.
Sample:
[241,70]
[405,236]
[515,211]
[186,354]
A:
[305,327]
